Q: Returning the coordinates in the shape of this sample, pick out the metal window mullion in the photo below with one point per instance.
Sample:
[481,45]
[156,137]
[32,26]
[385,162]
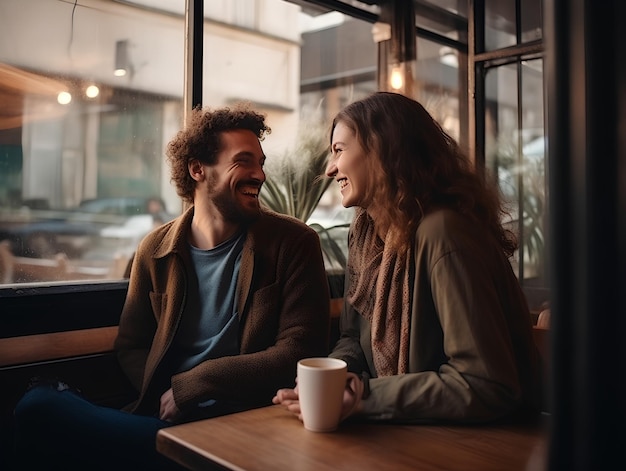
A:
[520,176]
[194,37]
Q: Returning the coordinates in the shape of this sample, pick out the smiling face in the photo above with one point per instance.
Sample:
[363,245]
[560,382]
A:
[351,167]
[232,185]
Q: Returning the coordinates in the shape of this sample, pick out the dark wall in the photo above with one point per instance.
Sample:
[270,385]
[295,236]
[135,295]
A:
[586,86]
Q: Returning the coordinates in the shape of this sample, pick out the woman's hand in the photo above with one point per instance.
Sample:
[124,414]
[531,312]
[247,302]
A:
[352,394]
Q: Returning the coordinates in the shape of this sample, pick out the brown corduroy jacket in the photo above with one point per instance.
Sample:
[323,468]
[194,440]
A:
[282,301]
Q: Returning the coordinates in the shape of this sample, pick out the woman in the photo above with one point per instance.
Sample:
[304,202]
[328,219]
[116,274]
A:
[435,326]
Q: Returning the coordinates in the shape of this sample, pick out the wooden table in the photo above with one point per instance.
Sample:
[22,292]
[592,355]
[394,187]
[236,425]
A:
[272,439]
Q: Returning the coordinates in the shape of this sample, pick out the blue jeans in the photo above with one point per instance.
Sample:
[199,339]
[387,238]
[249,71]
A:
[62,430]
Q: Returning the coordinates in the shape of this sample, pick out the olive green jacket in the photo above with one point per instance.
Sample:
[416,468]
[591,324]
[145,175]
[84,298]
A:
[282,301]
[471,353]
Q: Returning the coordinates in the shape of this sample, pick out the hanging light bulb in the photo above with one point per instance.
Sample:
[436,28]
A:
[396,78]
[92,91]
[64,98]
[398,46]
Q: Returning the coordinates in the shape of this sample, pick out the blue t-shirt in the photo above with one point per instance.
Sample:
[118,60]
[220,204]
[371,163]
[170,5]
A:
[212,331]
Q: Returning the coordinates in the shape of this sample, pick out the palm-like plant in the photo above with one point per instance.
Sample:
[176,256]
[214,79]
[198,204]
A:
[295,184]
[523,187]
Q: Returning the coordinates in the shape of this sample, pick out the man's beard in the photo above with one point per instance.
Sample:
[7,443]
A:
[232,211]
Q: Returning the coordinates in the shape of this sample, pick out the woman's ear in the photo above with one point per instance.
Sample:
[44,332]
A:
[196,170]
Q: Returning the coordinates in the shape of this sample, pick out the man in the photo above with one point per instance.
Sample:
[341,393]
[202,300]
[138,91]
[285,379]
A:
[222,303]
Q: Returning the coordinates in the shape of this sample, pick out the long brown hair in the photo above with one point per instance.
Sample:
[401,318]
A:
[422,167]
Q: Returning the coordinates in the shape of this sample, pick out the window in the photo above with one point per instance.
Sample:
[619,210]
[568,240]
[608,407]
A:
[82,150]
[515,152]
[513,124]
[92,92]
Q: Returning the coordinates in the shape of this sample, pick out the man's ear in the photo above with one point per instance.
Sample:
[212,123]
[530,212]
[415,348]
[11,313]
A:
[196,170]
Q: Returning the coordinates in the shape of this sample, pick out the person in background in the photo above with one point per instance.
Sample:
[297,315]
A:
[435,327]
[222,302]
[156,208]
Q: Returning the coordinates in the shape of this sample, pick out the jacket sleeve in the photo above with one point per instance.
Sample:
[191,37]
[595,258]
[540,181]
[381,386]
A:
[137,322]
[478,378]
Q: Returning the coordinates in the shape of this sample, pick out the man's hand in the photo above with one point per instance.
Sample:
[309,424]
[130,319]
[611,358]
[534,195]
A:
[288,398]
[169,410]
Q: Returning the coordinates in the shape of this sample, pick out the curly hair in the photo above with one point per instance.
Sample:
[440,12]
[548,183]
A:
[200,139]
[422,168]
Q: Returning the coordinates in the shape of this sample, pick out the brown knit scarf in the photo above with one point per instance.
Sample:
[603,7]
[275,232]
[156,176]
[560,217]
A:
[379,291]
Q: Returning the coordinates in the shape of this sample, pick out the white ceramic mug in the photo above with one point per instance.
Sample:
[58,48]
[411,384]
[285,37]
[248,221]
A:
[321,383]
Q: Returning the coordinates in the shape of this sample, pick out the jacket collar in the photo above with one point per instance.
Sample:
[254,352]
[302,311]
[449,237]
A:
[176,238]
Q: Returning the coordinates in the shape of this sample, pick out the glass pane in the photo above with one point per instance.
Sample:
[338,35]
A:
[90,96]
[515,153]
[501,131]
[532,20]
[533,192]
[458,7]
[83,174]
[502,156]
[437,78]
[500,29]
[447,18]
